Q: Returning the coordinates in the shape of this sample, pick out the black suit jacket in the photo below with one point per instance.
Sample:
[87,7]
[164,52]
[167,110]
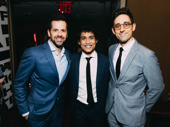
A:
[101,80]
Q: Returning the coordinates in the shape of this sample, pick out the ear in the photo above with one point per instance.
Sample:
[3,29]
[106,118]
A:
[48,32]
[96,41]
[67,35]
[113,31]
[134,26]
[79,42]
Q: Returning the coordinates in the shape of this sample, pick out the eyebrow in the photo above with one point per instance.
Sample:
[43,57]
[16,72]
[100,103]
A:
[86,36]
[123,22]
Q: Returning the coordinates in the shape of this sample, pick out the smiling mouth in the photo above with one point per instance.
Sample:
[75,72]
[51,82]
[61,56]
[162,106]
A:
[59,38]
[122,34]
[88,46]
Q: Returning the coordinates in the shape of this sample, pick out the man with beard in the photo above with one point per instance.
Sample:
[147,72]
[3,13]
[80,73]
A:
[133,68]
[46,67]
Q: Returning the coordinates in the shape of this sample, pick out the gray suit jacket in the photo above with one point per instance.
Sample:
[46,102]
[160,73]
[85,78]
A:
[126,97]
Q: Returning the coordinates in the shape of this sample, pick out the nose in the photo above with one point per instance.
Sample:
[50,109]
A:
[59,33]
[121,28]
[87,40]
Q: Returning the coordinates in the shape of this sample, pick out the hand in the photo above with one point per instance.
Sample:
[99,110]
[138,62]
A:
[2,79]
[26,117]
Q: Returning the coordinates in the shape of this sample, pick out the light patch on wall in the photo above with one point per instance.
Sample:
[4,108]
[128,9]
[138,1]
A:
[5,55]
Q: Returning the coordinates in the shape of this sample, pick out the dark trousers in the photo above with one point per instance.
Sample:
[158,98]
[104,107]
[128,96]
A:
[88,116]
[53,119]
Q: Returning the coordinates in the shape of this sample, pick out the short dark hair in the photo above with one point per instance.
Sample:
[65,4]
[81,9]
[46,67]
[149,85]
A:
[56,17]
[121,11]
[87,28]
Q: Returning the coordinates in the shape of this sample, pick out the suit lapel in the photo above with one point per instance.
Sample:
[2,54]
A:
[49,56]
[99,68]
[111,57]
[68,67]
[129,59]
[77,66]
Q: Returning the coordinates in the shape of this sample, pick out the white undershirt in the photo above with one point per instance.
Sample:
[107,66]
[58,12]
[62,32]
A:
[82,90]
[125,52]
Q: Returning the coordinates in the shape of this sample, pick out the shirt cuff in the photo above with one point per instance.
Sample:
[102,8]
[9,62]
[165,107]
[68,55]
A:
[25,114]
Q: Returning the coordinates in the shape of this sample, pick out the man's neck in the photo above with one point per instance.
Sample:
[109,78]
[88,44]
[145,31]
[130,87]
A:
[123,44]
[57,48]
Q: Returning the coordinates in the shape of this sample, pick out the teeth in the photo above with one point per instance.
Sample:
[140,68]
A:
[88,46]
[59,39]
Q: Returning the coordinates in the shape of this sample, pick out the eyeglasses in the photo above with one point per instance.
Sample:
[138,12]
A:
[126,25]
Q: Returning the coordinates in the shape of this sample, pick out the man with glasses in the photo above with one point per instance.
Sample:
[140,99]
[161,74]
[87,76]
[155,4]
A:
[133,68]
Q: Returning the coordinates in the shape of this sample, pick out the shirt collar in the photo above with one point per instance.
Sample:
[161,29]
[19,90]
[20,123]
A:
[94,54]
[127,46]
[53,48]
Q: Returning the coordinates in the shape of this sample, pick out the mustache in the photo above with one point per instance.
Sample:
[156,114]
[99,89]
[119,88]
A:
[60,37]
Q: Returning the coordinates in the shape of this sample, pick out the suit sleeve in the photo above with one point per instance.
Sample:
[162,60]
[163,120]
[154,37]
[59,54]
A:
[23,75]
[154,81]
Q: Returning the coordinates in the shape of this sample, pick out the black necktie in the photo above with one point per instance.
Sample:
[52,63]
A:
[90,99]
[119,63]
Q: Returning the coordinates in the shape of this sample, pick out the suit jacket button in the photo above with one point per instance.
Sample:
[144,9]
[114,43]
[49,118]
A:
[116,86]
[57,98]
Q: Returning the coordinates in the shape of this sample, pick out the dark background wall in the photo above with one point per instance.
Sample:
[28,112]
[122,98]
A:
[96,13]
[153,25]
[152,19]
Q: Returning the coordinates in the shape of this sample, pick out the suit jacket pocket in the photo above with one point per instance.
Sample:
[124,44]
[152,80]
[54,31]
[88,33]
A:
[36,100]
[136,103]
[37,105]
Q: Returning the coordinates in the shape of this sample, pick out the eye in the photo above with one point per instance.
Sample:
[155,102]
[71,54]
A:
[54,29]
[91,37]
[83,38]
[117,25]
[126,24]
[63,30]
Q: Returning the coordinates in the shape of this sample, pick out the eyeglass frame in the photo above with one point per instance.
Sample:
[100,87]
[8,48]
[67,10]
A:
[125,27]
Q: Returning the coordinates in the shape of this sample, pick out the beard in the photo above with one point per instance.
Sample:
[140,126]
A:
[55,42]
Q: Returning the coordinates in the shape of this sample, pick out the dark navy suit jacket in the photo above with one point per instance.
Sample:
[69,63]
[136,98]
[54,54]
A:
[101,81]
[38,67]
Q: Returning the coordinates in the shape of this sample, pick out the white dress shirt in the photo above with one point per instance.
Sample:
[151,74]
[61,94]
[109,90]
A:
[82,90]
[60,61]
[125,52]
